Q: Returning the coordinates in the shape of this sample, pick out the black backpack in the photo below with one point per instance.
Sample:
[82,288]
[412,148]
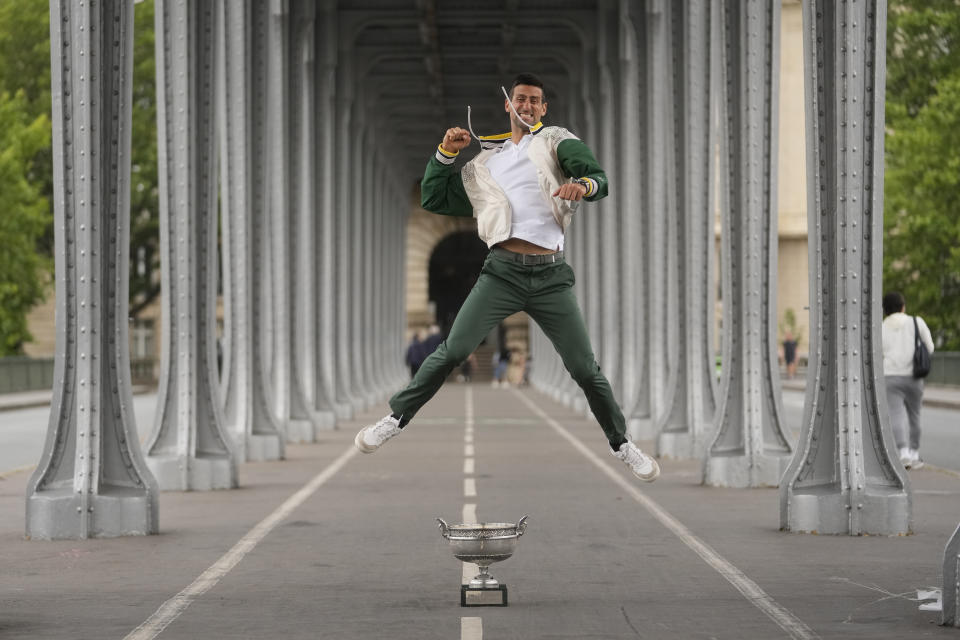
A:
[921,357]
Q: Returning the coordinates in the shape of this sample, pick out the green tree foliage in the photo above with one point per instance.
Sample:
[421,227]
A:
[24,216]
[922,187]
[144,203]
[26,175]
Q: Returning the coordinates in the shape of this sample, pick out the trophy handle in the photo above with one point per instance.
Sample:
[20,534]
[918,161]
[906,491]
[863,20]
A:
[444,528]
[522,526]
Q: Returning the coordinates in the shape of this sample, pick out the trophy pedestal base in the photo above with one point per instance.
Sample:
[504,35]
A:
[479,597]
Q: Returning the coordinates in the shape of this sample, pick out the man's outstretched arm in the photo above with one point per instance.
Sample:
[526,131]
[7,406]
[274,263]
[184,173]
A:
[577,161]
[441,190]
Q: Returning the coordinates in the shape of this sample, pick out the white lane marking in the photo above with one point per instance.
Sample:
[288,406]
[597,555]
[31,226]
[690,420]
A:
[172,608]
[469,569]
[471,629]
[468,438]
[469,488]
[469,512]
[747,587]
[468,450]
[468,466]
[12,472]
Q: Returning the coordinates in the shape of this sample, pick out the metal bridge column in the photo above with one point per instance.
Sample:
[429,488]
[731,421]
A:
[289,406]
[91,479]
[325,245]
[950,612]
[684,429]
[655,215]
[188,448]
[344,252]
[750,448]
[241,127]
[307,404]
[608,213]
[845,477]
[632,284]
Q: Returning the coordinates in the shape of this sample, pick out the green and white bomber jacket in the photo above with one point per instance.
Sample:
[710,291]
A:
[559,157]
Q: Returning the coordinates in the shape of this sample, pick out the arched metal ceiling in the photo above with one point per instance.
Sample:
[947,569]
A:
[415,65]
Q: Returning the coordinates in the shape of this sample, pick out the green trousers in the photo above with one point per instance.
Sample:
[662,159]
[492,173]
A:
[545,293]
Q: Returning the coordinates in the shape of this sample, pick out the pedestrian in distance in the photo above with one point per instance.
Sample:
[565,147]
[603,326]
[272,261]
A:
[790,354]
[522,188]
[904,391]
[415,355]
[500,369]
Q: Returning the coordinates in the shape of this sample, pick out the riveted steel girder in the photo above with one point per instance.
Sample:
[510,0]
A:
[188,448]
[750,448]
[688,422]
[325,239]
[287,53]
[659,243]
[608,212]
[633,286]
[91,480]
[242,138]
[950,612]
[307,401]
[845,477]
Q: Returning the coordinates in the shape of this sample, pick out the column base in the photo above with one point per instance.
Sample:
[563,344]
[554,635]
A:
[325,420]
[741,471]
[823,510]
[57,514]
[203,473]
[679,445]
[298,430]
[262,447]
[343,411]
[641,429]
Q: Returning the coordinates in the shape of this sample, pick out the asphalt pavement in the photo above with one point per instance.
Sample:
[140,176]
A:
[330,543]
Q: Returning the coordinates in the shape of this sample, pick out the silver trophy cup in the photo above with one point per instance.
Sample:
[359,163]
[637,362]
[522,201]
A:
[483,544]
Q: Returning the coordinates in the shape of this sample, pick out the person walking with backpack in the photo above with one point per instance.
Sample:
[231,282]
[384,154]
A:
[902,337]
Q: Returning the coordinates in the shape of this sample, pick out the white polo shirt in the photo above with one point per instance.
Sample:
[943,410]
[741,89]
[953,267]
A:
[533,219]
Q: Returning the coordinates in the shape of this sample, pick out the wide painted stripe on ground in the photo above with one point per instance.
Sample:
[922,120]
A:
[471,629]
[747,587]
[172,608]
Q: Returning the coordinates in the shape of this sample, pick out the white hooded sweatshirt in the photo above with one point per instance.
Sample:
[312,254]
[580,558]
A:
[898,341]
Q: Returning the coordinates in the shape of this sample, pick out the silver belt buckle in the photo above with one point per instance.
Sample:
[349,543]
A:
[533,258]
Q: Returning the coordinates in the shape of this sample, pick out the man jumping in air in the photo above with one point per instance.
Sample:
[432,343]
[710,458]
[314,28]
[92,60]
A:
[519,188]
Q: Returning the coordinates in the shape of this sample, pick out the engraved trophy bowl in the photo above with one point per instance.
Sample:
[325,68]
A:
[483,544]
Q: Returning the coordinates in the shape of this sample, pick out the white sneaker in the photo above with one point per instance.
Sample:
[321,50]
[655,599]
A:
[642,465]
[370,438]
[905,458]
[915,461]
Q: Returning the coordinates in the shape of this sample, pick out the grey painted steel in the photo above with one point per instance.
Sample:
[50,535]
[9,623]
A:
[950,595]
[845,477]
[608,213]
[750,448]
[346,402]
[307,401]
[688,423]
[297,420]
[246,413]
[91,480]
[632,285]
[188,448]
[327,48]
[655,342]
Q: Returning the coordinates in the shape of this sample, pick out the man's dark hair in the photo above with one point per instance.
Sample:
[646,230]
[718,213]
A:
[892,303]
[528,79]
